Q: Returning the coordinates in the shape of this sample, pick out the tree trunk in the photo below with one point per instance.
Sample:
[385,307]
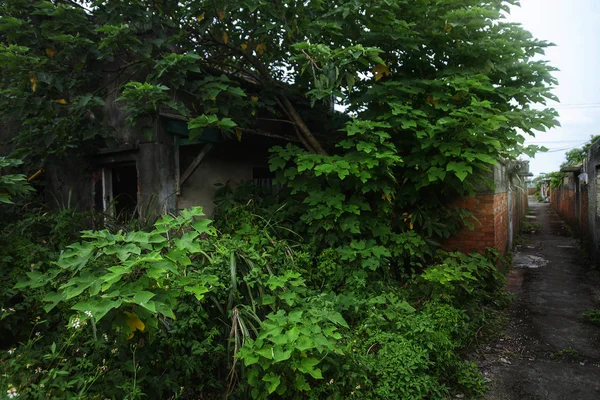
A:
[310,139]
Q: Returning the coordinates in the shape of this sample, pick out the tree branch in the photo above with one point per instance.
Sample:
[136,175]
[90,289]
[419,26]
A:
[301,126]
[306,137]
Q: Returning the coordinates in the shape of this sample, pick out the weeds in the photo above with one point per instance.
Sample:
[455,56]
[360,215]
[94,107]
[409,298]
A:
[566,353]
[530,228]
[592,316]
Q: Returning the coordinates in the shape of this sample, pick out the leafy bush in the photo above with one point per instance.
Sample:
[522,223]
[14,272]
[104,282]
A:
[12,185]
[243,309]
[29,243]
[130,285]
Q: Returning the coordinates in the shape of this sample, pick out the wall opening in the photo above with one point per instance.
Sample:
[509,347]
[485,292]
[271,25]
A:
[124,190]
[116,190]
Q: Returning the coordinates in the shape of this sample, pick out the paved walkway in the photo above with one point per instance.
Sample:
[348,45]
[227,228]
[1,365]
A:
[548,352]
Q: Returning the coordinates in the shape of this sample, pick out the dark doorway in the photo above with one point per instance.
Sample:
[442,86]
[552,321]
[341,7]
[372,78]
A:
[124,191]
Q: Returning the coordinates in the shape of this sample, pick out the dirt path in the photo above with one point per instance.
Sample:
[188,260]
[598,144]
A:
[548,352]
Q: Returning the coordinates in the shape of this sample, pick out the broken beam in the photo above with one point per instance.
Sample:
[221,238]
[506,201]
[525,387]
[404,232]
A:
[190,170]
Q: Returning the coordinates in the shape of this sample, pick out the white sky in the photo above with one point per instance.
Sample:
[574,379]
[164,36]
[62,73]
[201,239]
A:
[574,26]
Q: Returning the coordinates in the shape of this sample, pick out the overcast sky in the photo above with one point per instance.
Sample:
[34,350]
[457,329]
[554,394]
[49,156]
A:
[574,26]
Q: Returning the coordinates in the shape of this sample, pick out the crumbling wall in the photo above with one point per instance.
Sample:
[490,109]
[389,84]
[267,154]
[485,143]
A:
[229,163]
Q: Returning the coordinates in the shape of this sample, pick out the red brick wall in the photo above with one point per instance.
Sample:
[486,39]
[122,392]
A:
[564,201]
[491,230]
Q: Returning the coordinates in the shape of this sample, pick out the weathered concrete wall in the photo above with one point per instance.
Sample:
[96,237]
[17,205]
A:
[229,162]
[498,212]
[585,222]
[501,222]
[593,192]
[156,175]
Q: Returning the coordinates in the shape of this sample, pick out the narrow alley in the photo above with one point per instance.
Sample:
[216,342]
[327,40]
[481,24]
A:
[548,351]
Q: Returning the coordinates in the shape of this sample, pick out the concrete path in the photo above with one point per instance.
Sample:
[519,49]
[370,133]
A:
[548,352]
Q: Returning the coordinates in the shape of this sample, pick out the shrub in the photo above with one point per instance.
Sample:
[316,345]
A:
[237,296]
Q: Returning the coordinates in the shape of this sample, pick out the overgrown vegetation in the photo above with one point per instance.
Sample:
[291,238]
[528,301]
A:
[530,227]
[246,313]
[336,287]
[592,316]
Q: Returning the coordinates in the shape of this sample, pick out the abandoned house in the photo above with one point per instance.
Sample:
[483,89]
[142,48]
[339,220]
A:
[141,175]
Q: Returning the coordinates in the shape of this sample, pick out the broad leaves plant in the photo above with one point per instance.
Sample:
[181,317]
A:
[132,276]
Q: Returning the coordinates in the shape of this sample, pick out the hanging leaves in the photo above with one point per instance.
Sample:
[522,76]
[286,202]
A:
[380,70]
[33,81]
[221,15]
[134,323]
[225,37]
[50,52]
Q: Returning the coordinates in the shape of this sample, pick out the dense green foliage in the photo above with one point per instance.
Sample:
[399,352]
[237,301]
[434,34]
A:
[187,310]
[452,89]
[336,286]
[11,185]
[592,316]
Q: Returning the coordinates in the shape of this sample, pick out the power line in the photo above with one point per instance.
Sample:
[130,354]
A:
[563,149]
[568,106]
[555,141]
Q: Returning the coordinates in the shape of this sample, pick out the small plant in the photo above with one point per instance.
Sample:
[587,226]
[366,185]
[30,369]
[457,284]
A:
[567,353]
[592,316]
[529,227]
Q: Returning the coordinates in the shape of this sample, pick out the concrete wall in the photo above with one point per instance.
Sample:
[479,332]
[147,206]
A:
[578,202]
[230,162]
[593,196]
[498,212]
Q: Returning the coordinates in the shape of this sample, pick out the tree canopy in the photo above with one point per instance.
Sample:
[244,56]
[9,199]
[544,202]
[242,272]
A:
[443,74]
[578,155]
